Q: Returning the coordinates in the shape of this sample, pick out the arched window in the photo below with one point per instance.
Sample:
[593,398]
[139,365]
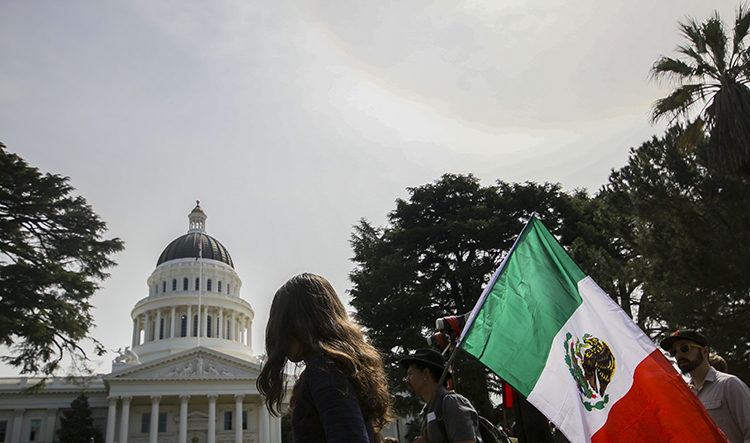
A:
[218,286]
[208,325]
[183,326]
[174,284]
[195,325]
[197,283]
[185,284]
[161,329]
[208,285]
[164,286]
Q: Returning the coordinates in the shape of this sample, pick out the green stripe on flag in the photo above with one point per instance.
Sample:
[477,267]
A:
[533,296]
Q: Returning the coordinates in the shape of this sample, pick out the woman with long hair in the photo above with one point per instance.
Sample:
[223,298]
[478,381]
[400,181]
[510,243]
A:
[342,395]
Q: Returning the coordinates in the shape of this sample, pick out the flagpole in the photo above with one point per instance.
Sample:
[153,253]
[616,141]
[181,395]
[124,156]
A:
[200,285]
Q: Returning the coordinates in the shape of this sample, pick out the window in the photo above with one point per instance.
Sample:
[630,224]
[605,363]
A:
[227,288]
[161,329]
[227,420]
[174,284]
[146,422]
[36,426]
[218,286]
[164,286]
[208,325]
[185,284]
[156,289]
[3,429]
[195,325]
[208,284]
[183,326]
[197,284]
[162,422]
[244,420]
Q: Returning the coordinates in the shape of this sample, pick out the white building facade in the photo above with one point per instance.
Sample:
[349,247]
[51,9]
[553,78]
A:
[188,375]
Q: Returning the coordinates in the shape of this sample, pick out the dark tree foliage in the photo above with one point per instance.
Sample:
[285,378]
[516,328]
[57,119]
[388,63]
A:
[691,231]
[77,424]
[52,255]
[433,259]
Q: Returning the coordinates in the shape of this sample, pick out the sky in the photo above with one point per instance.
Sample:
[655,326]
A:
[291,120]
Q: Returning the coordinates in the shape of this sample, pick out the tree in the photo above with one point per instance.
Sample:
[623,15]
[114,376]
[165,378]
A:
[77,425]
[439,250]
[52,256]
[712,76]
[688,230]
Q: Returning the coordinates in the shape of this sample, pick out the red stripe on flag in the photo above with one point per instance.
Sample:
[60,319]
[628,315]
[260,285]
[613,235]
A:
[660,407]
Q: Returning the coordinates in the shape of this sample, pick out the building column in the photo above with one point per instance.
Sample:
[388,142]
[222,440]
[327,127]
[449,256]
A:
[183,418]
[15,436]
[111,418]
[263,419]
[49,431]
[189,321]
[204,324]
[275,429]
[153,432]
[147,328]
[238,421]
[171,324]
[125,419]
[136,327]
[138,331]
[212,418]
[157,326]
[220,318]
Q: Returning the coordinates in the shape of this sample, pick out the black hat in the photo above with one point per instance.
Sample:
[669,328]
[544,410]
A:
[425,357]
[694,336]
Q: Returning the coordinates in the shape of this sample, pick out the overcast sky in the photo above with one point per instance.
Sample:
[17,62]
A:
[291,120]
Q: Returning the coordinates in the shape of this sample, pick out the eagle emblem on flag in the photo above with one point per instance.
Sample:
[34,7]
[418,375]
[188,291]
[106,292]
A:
[592,365]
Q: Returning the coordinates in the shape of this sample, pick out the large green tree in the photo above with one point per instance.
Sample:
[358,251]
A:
[77,424]
[688,230]
[52,256]
[440,248]
[711,97]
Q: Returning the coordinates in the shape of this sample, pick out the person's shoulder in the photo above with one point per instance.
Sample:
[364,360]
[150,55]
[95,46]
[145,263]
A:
[320,365]
[454,400]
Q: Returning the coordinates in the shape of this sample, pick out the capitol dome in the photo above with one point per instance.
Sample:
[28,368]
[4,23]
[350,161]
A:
[193,300]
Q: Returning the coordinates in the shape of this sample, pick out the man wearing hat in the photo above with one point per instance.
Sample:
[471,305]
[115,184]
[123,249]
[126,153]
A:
[446,416]
[725,396]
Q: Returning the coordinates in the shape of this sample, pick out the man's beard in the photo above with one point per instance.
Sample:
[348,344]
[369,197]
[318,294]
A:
[686,365]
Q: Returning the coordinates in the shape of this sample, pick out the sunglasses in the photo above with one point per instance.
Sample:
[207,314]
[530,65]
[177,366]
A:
[684,349]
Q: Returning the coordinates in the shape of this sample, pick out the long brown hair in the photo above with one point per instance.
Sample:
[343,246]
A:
[307,309]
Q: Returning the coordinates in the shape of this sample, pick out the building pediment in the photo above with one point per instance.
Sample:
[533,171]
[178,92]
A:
[195,364]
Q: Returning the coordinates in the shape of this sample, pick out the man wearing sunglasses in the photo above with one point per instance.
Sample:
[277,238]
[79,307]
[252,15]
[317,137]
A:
[725,396]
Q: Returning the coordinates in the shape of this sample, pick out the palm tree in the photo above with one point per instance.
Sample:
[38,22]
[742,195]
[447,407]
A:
[712,72]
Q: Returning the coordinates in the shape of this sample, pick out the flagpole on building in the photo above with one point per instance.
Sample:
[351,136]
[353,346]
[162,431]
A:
[200,285]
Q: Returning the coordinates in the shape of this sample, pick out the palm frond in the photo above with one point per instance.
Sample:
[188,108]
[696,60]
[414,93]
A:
[741,27]
[676,103]
[716,41]
[671,67]
[692,136]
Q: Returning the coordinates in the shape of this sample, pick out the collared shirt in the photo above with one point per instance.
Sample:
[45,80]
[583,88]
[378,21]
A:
[727,400]
[460,419]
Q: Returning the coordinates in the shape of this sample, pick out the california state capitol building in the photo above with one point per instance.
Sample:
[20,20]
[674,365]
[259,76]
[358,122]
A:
[188,375]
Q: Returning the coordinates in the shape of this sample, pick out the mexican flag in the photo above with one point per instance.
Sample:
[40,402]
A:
[548,330]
